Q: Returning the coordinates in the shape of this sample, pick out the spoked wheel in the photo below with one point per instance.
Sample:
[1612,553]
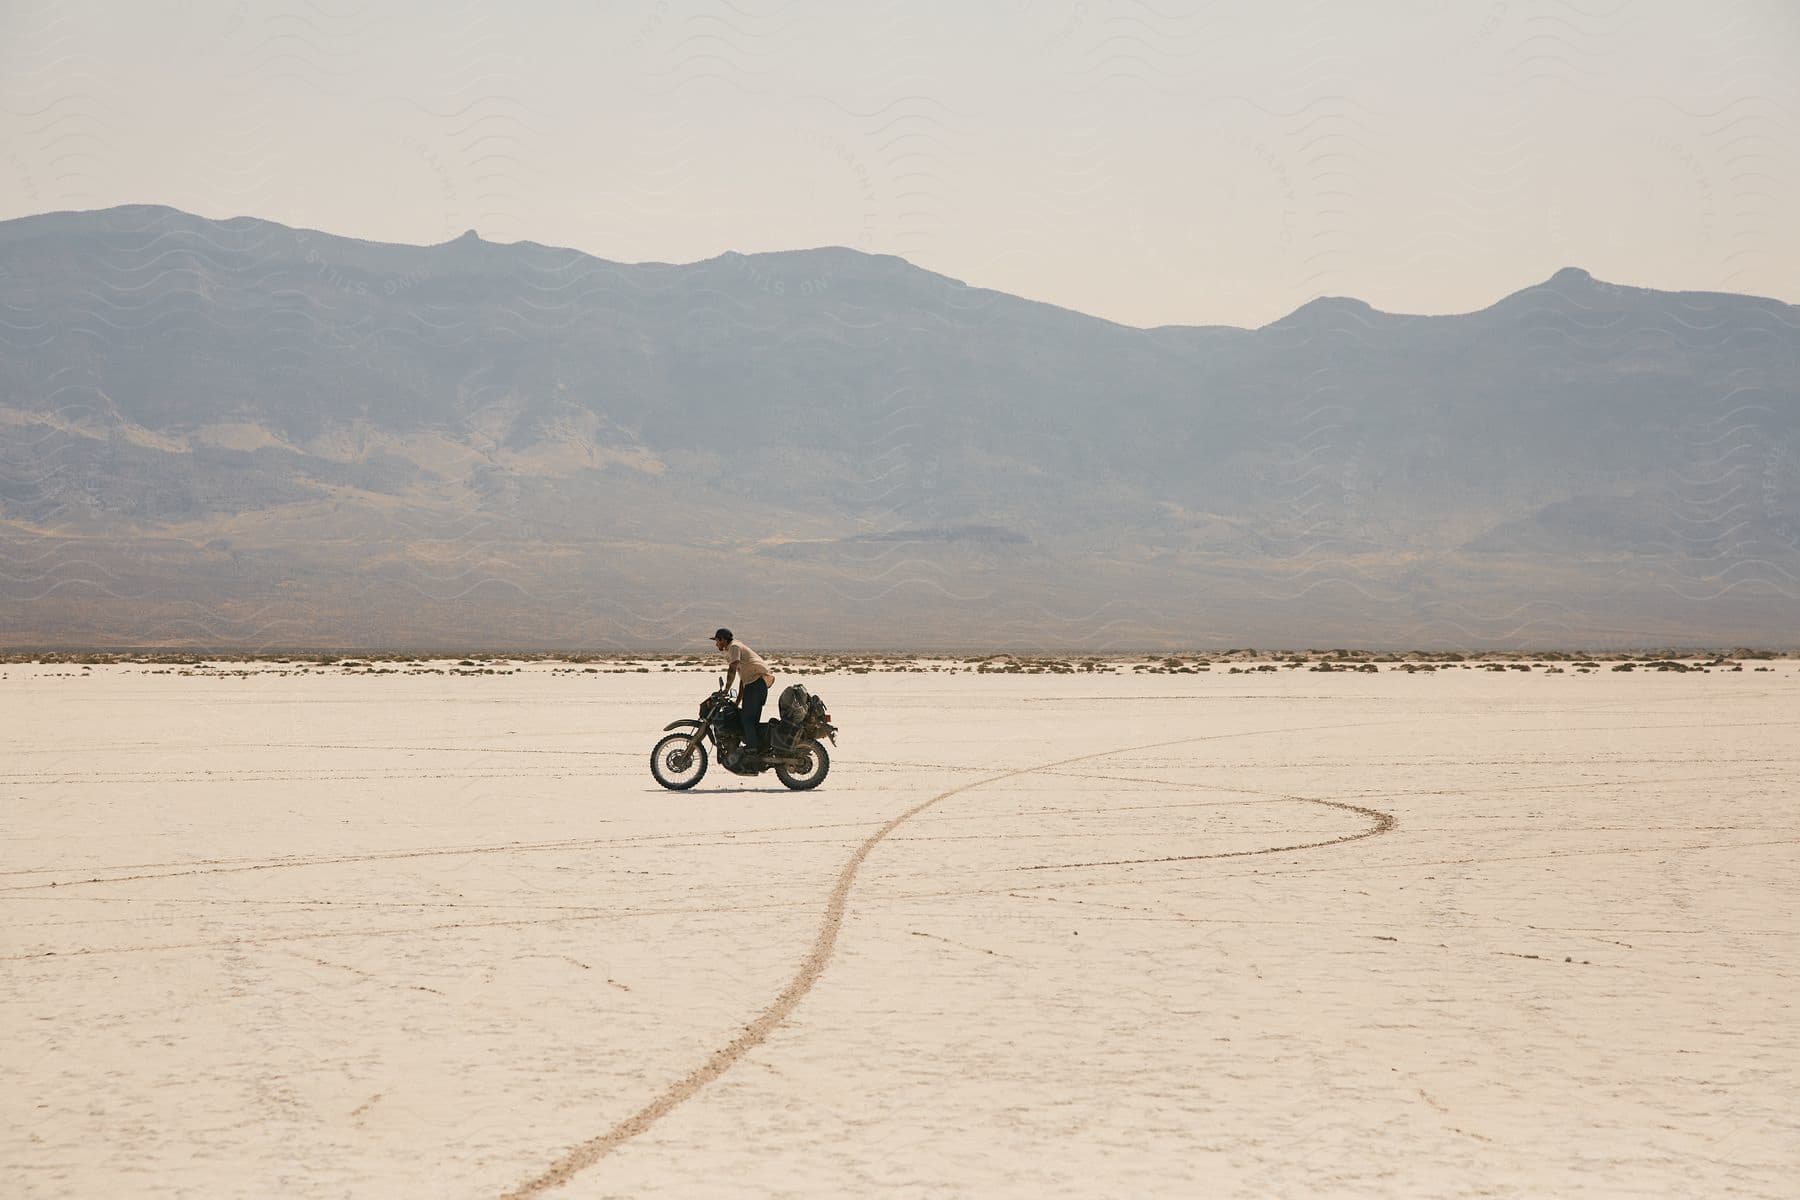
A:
[809,774]
[679,762]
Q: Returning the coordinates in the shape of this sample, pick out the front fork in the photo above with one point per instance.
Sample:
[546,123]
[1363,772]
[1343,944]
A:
[700,732]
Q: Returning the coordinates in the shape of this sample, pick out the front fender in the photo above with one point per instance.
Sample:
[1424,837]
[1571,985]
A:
[681,725]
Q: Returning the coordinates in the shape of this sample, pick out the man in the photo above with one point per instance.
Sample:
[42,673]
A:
[753,676]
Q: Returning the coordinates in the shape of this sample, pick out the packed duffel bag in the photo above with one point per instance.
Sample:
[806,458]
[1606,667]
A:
[795,703]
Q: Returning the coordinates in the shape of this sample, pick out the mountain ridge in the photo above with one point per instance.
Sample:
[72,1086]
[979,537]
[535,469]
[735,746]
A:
[209,425]
[1563,280]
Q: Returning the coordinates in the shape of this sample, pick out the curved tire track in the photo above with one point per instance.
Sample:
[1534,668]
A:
[584,1155]
[1380,823]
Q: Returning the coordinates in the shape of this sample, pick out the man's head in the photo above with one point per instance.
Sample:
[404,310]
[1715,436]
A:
[722,638]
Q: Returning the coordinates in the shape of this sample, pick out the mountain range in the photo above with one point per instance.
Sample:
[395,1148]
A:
[238,434]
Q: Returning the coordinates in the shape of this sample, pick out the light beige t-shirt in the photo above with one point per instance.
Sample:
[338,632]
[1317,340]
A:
[749,664]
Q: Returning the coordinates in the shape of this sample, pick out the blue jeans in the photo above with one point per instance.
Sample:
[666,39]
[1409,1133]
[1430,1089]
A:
[751,697]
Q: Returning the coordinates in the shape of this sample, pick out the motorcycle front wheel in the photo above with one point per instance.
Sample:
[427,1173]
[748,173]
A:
[678,762]
[812,773]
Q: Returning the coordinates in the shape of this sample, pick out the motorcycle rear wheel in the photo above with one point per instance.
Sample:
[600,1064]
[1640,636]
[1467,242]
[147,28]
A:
[813,773]
[675,765]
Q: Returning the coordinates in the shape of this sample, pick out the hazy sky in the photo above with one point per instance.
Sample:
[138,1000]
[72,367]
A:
[1153,163]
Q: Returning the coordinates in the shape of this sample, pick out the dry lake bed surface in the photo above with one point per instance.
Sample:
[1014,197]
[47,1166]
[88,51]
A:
[417,930]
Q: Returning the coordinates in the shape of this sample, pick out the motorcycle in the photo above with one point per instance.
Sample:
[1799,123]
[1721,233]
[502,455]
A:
[789,744]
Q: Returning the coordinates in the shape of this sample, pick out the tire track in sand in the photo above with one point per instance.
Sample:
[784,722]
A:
[579,1158]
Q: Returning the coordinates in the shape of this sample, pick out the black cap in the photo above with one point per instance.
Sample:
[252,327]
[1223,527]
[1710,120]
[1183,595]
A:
[723,633]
